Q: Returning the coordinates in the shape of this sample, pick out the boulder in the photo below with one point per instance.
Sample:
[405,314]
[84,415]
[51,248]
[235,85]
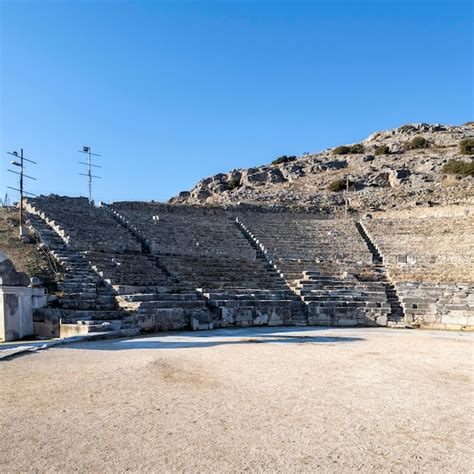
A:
[399,176]
[379,180]
[275,176]
[337,164]
[255,176]
[8,274]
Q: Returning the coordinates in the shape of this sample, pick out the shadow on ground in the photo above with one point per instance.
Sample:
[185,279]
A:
[219,337]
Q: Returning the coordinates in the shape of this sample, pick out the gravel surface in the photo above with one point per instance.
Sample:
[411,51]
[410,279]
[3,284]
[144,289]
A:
[265,400]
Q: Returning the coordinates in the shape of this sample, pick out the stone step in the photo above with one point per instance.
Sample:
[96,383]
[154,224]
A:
[232,303]
[158,297]
[313,305]
[345,298]
[170,304]
[72,316]
[167,289]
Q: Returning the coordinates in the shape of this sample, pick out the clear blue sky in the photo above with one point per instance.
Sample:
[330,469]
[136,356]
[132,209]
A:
[172,91]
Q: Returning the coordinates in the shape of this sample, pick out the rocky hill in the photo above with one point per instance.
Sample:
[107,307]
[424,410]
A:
[413,165]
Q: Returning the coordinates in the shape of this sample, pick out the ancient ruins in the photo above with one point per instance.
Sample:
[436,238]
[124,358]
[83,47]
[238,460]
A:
[212,258]
[132,267]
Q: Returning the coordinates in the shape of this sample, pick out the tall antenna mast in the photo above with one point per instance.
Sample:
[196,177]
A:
[87,151]
[20,164]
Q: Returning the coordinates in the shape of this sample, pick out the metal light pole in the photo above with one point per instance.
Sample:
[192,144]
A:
[87,150]
[22,176]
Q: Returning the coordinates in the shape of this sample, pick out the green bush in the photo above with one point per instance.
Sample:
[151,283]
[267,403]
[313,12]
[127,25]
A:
[382,150]
[283,159]
[345,150]
[466,146]
[234,183]
[357,148]
[406,128]
[341,150]
[460,167]
[337,185]
[417,143]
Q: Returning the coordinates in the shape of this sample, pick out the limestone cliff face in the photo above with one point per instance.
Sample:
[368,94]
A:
[397,168]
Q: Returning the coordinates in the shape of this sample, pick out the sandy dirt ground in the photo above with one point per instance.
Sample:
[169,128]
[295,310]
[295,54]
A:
[258,400]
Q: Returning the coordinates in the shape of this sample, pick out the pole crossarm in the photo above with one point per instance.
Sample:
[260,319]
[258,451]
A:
[86,150]
[21,164]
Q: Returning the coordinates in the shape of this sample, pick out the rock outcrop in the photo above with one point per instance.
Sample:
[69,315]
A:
[387,170]
[8,274]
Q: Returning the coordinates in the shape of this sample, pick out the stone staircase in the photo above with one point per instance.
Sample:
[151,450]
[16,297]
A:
[239,292]
[298,309]
[337,286]
[84,303]
[205,250]
[397,315]
[343,300]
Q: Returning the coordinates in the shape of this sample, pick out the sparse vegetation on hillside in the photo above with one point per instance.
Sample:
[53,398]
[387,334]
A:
[234,183]
[459,167]
[383,180]
[406,128]
[382,150]
[283,159]
[337,185]
[341,150]
[25,257]
[357,148]
[466,146]
[469,124]
[417,143]
[345,150]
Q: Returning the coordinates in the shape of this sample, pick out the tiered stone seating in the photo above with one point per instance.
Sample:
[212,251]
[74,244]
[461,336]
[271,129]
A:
[425,249]
[85,303]
[158,300]
[116,265]
[185,230]
[204,248]
[84,227]
[302,242]
[431,261]
[343,301]
[326,262]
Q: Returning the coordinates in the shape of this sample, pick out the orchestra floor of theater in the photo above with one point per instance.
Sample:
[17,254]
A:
[258,399]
